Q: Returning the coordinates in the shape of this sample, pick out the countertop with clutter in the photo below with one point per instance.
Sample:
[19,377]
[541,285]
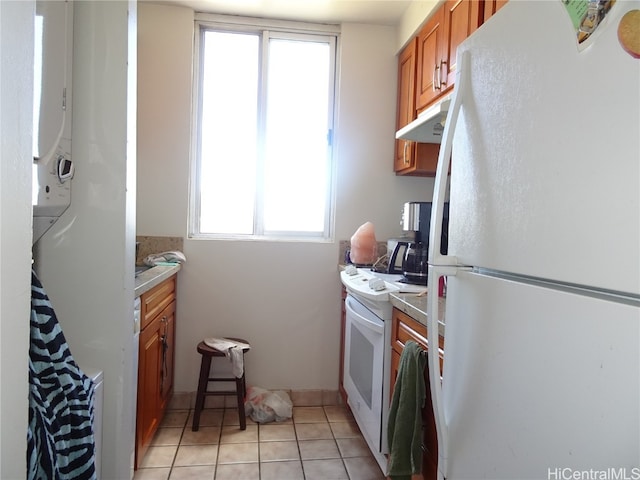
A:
[157,258]
[363,249]
[415,305]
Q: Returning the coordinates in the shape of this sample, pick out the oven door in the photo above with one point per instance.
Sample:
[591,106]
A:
[364,366]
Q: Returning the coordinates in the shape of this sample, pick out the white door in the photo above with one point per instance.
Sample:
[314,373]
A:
[538,379]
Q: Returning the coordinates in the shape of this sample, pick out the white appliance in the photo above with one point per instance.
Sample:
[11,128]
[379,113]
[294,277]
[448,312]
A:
[541,366]
[98,401]
[52,165]
[367,355]
[367,351]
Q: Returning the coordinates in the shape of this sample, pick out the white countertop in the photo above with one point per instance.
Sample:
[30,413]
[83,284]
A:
[154,276]
[416,307]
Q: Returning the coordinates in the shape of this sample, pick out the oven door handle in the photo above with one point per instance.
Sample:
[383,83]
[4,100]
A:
[365,322]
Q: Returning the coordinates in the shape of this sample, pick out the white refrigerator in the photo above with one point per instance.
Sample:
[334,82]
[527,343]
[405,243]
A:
[541,376]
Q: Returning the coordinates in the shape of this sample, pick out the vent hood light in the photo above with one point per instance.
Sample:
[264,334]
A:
[428,127]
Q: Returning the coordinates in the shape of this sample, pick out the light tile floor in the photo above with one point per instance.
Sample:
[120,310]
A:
[317,443]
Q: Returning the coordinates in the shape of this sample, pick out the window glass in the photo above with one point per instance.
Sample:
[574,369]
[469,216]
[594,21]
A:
[228,132]
[296,150]
[264,117]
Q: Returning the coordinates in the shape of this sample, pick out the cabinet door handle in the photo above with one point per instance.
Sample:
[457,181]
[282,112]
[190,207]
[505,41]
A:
[164,345]
[404,153]
[435,78]
[164,325]
[440,70]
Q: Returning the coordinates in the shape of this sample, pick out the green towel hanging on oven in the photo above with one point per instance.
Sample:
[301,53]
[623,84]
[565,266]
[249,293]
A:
[404,429]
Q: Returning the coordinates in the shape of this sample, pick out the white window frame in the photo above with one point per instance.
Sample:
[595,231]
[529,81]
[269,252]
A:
[268,29]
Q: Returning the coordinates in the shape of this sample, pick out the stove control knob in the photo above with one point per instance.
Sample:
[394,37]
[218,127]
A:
[377,284]
[351,270]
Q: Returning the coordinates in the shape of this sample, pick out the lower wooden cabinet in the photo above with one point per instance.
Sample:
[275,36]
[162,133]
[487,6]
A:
[405,328]
[155,362]
[343,321]
[167,354]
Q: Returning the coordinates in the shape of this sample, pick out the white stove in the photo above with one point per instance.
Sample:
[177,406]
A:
[367,351]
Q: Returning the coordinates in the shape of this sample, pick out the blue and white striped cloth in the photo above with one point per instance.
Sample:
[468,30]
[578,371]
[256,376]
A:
[60,441]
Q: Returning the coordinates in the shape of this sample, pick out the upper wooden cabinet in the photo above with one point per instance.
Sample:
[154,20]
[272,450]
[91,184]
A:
[430,60]
[406,106]
[426,71]
[491,7]
[461,19]
[411,158]
[438,42]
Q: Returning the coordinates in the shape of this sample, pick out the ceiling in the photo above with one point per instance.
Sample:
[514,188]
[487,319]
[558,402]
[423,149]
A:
[376,12]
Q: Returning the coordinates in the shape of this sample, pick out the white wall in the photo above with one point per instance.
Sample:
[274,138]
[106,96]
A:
[16,100]
[165,44]
[367,188]
[85,261]
[284,297]
[413,19]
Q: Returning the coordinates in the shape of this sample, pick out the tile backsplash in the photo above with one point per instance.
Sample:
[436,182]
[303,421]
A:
[149,245]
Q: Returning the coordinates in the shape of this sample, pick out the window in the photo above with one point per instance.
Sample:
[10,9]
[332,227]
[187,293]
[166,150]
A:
[264,121]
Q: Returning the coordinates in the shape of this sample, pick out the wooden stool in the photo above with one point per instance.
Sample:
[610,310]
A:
[208,353]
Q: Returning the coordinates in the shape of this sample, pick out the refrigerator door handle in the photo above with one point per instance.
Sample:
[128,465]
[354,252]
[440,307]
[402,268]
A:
[433,313]
[442,170]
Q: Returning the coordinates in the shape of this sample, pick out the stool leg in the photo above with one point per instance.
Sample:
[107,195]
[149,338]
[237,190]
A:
[240,392]
[202,388]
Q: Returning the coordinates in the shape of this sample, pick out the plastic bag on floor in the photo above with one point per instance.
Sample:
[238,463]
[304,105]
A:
[264,406]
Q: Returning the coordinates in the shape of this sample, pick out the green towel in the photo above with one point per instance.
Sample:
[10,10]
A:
[404,430]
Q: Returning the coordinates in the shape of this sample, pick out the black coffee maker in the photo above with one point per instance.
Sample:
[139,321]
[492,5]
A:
[416,219]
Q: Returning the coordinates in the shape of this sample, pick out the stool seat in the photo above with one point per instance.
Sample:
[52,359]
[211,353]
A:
[208,353]
[204,349]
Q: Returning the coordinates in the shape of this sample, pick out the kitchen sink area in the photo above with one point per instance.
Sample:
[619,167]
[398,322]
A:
[140,269]
[146,277]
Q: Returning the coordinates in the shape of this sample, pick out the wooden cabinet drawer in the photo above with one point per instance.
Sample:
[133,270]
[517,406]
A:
[156,300]
[405,328]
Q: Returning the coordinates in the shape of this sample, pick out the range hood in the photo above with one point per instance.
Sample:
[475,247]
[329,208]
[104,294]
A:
[429,125]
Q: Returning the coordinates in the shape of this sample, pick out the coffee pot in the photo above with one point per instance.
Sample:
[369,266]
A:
[415,265]
[414,257]
[416,218]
